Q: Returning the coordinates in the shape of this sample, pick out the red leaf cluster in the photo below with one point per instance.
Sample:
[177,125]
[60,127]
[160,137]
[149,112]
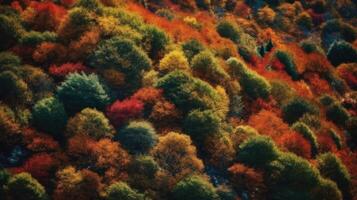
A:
[121,111]
[67,68]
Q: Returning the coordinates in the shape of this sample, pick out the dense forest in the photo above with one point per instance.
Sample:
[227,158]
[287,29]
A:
[178,100]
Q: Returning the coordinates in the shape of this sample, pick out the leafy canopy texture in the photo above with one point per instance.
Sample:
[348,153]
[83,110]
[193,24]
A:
[23,187]
[80,91]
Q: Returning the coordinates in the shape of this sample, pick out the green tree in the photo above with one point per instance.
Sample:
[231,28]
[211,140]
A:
[194,188]
[331,167]
[90,122]
[308,134]
[49,115]
[295,108]
[228,30]
[154,41]
[337,113]
[24,187]
[257,151]
[80,91]
[138,137]
[121,190]
[290,66]
[341,52]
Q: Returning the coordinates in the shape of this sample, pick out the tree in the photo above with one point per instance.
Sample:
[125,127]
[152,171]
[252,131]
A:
[23,187]
[10,30]
[200,124]
[124,56]
[206,66]
[49,115]
[341,52]
[138,137]
[90,122]
[191,48]
[176,154]
[173,61]
[120,112]
[9,60]
[142,172]
[154,41]
[14,90]
[80,91]
[257,151]
[253,84]
[77,185]
[193,188]
[120,190]
[337,113]
[327,190]
[308,134]
[295,108]
[228,30]
[189,93]
[245,179]
[331,167]
[289,64]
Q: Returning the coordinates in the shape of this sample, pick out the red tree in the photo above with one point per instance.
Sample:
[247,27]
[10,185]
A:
[121,111]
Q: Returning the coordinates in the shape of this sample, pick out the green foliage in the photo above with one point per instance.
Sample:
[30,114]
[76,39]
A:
[49,115]
[80,91]
[310,47]
[10,30]
[166,13]
[308,134]
[122,55]
[257,151]
[327,190]
[34,38]
[228,30]
[291,177]
[341,52]
[8,60]
[253,84]
[23,187]
[188,93]
[331,167]
[90,122]
[144,165]
[137,137]
[334,30]
[281,91]
[336,138]
[352,128]
[120,190]
[289,64]
[13,90]
[4,179]
[154,41]
[92,5]
[173,61]
[200,124]
[311,121]
[193,188]
[337,113]
[191,48]
[295,108]
[206,66]
[327,100]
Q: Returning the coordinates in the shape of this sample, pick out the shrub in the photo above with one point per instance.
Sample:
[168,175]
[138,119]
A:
[166,13]
[137,137]
[253,84]
[176,154]
[90,122]
[352,128]
[206,66]
[228,30]
[194,187]
[22,186]
[295,108]
[121,112]
[290,66]
[341,52]
[191,48]
[142,172]
[173,61]
[327,100]
[120,190]
[334,30]
[310,47]
[200,124]
[10,31]
[266,16]
[49,115]
[337,113]
[304,20]
[332,168]
[308,134]
[257,151]
[312,121]
[80,91]
[92,5]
